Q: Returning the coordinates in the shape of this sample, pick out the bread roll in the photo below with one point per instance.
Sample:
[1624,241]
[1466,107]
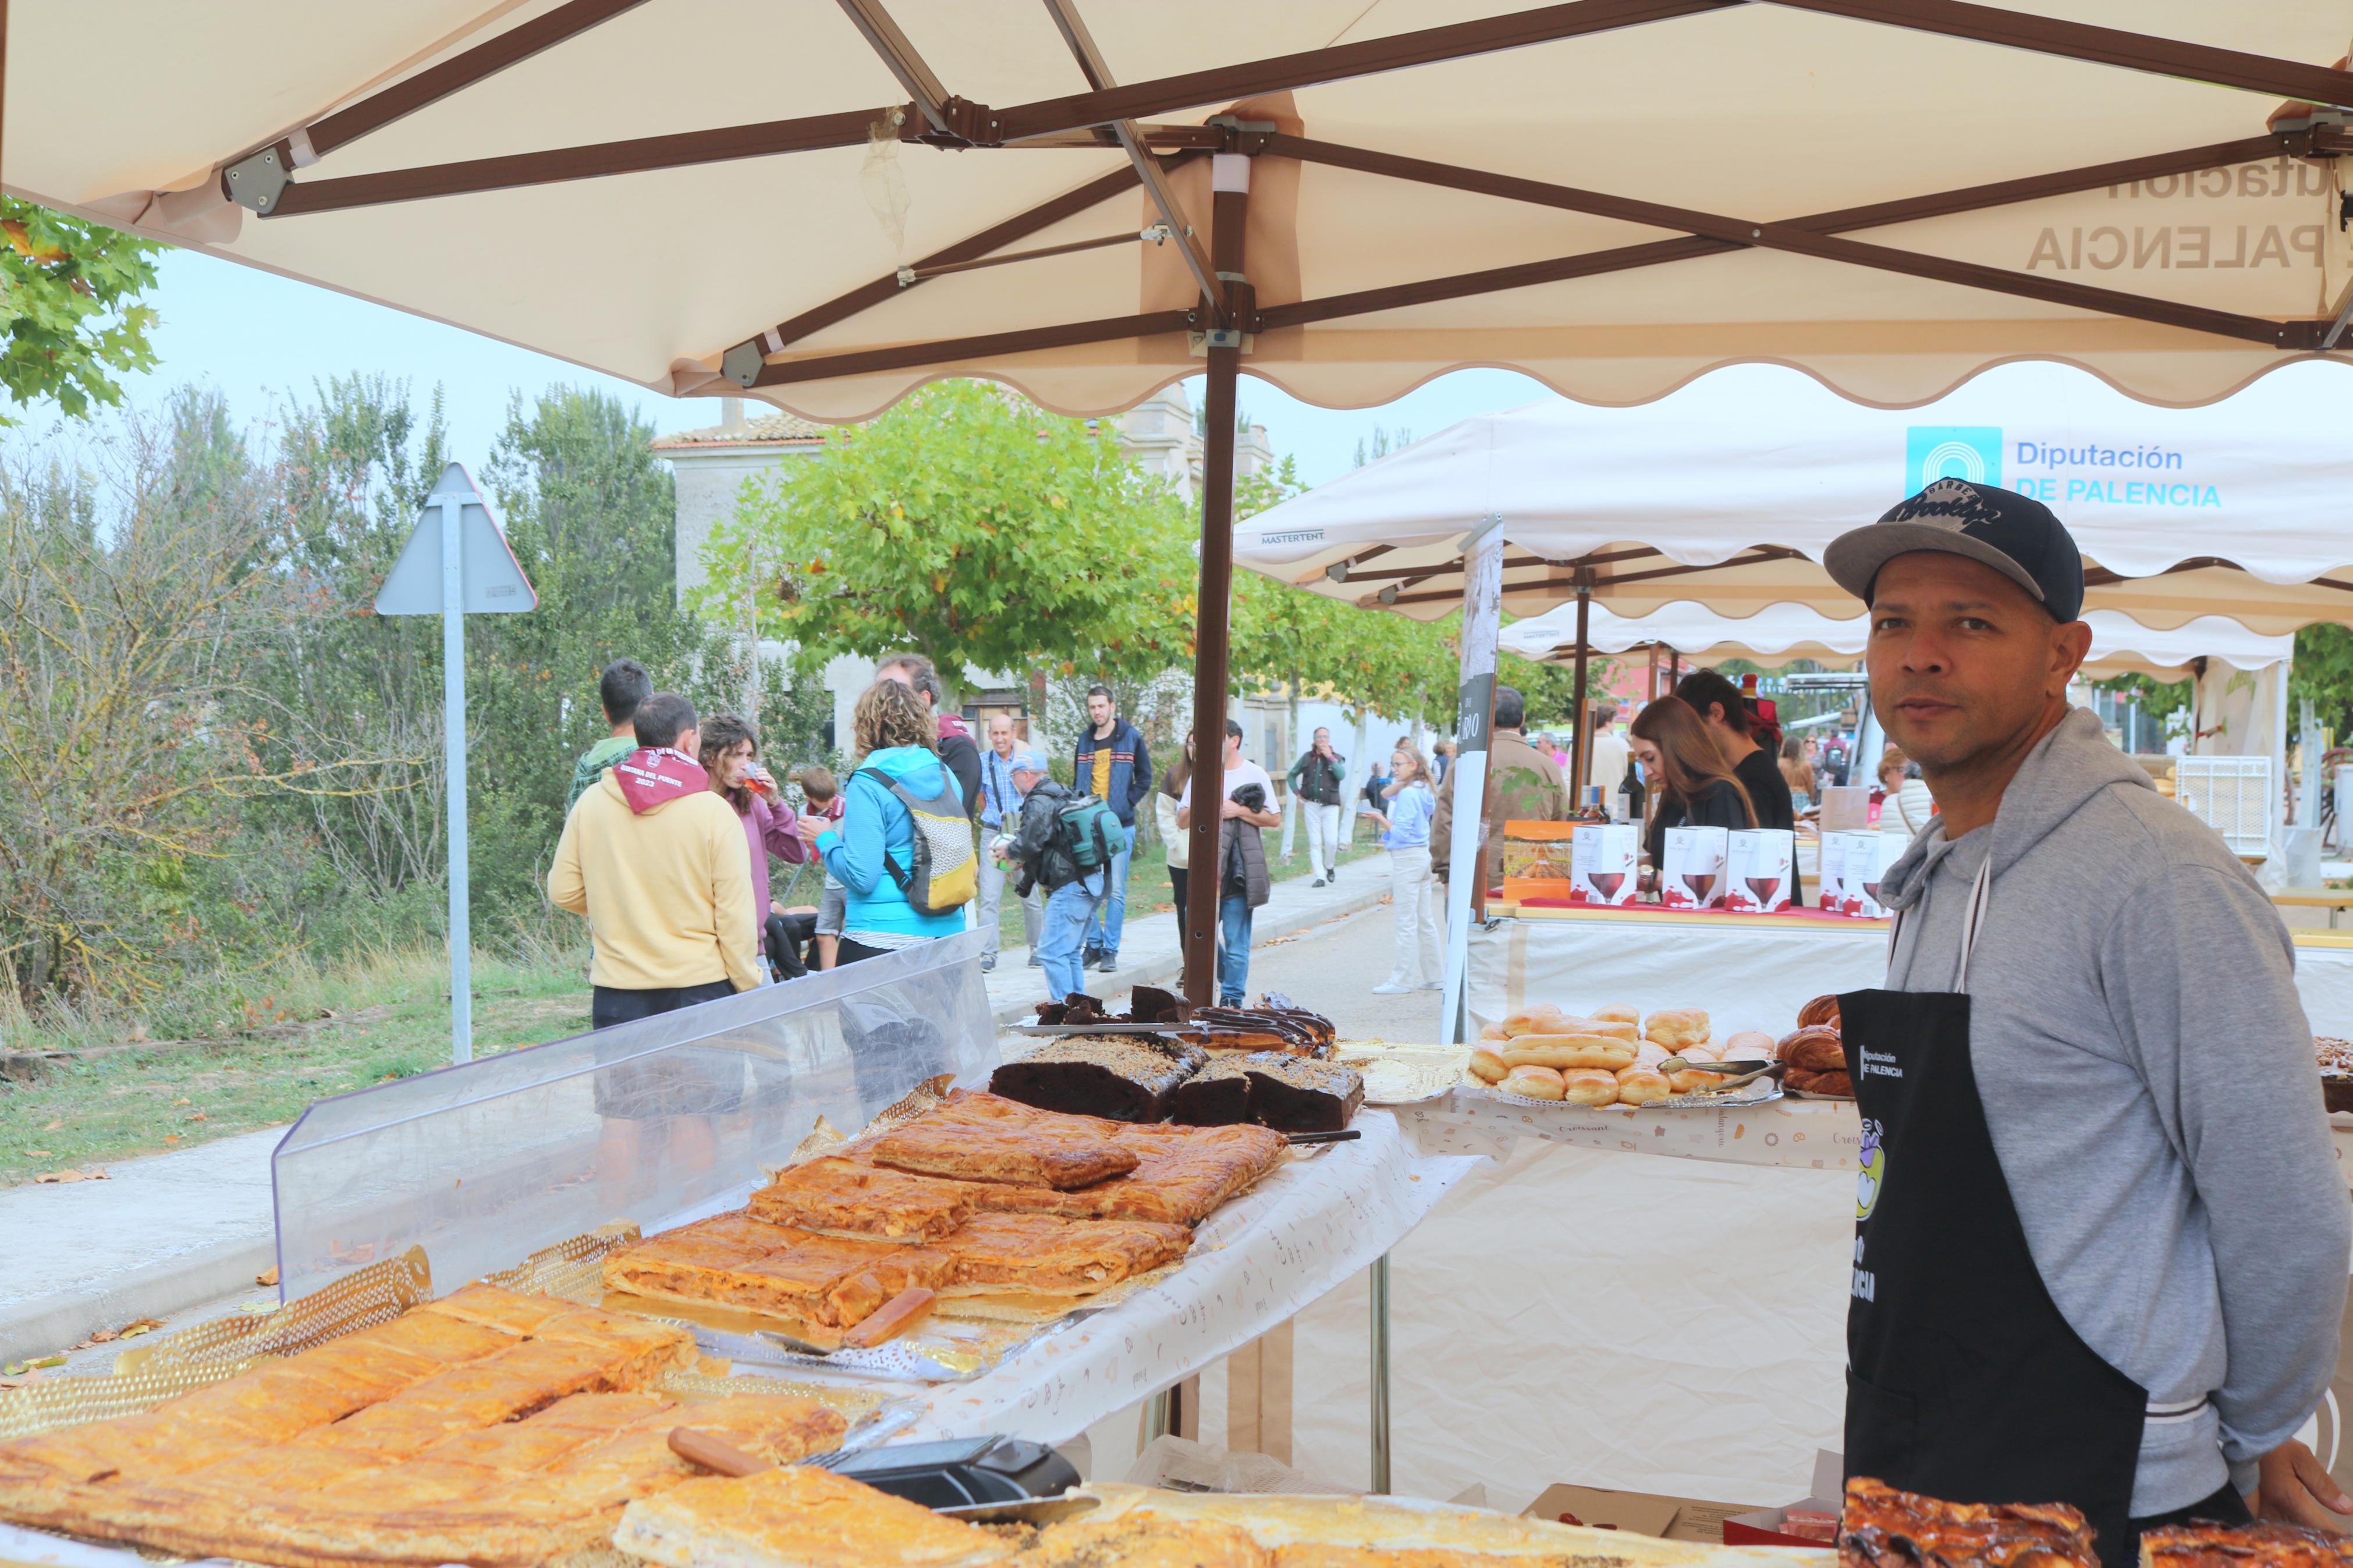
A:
[1487,1067]
[1541,1019]
[1814,1049]
[1559,1051]
[1747,1046]
[1618,1028]
[1589,1086]
[1821,1010]
[1494,1032]
[1535,1083]
[1705,1051]
[1675,1027]
[1648,1054]
[1691,1081]
[1619,1012]
[1640,1086]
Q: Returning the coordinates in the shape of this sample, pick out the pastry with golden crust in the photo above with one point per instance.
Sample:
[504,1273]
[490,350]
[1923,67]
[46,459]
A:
[796,1518]
[1185,1173]
[493,1307]
[1030,1155]
[832,1281]
[2261,1545]
[1326,1554]
[1675,1027]
[854,1197]
[1044,1255]
[1881,1527]
[1143,1542]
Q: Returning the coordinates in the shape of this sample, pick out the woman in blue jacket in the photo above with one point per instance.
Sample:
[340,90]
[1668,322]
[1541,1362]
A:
[892,731]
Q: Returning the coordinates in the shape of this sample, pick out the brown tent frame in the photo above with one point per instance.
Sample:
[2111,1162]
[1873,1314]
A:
[1228,312]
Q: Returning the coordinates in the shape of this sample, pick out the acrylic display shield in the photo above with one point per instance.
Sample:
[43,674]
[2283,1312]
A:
[658,1121]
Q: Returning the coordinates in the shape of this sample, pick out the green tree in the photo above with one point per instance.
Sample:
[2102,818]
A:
[970,524]
[2322,675]
[70,321]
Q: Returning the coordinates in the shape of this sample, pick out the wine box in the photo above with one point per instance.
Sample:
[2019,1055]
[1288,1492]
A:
[1692,875]
[1829,872]
[1862,859]
[1602,860]
[1760,868]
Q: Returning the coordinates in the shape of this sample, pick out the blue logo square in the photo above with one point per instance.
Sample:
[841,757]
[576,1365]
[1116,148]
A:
[1933,452]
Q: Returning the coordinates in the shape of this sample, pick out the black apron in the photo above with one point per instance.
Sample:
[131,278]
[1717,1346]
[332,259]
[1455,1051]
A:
[1964,1381]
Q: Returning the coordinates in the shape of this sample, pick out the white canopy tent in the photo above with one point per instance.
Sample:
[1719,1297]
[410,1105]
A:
[1779,633]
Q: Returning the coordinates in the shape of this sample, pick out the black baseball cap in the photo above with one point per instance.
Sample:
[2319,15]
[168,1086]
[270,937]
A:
[2017,537]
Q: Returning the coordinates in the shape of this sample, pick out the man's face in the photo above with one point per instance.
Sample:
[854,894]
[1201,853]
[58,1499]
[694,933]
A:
[1324,741]
[897,674]
[1233,749]
[1963,661]
[1099,708]
[1001,735]
[1025,781]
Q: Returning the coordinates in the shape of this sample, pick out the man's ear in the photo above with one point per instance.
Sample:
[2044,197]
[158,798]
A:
[2070,644]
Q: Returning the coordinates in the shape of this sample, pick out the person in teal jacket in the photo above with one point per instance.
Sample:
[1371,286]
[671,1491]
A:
[893,730]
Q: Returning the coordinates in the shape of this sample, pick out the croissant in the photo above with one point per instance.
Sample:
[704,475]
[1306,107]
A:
[1821,1010]
[1837,1083]
[1814,1049]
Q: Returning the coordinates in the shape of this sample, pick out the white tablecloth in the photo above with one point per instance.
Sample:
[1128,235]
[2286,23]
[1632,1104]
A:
[1309,1226]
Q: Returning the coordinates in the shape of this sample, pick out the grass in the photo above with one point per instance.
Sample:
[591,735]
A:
[328,1031]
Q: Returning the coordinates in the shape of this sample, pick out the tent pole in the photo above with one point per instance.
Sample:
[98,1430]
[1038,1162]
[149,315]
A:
[1482,603]
[1577,753]
[1212,643]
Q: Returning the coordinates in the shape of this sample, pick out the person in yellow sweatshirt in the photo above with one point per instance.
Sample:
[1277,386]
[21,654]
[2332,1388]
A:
[658,864]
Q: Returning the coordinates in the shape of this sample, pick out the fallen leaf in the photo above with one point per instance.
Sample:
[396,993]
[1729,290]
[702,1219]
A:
[39,1154]
[170,1138]
[9,1381]
[266,1277]
[53,1126]
[138,1326]
[182,1101]
[199,1116]
[61,1177]
[35,1363]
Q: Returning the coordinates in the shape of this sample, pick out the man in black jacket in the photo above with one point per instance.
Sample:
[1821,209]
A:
[1316,779]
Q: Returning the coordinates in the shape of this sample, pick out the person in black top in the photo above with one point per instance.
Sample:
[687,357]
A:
[1717,701]
[1686,771]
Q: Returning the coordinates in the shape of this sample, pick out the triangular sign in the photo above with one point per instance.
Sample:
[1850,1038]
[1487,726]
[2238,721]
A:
[493,577]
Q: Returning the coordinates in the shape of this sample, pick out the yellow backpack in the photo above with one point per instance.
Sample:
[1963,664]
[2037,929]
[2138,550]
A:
[946,873]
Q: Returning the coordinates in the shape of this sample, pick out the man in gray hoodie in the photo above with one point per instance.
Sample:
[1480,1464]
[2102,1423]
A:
[2101,1239]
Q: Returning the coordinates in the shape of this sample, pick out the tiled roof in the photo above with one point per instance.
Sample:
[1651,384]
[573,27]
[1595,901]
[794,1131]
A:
[759,430]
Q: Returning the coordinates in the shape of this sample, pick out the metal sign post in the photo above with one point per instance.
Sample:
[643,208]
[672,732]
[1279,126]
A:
[457,561]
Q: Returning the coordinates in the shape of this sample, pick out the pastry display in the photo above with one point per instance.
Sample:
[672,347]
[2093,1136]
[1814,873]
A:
[1119,1077]
[848,1197]
[440,1437]
[1288,1093]
[1145,1004]
[1821,1010]
[799,1517]
[1145,1542]
[1595,1086]
[1817,1060]
[1487,1065]
[1619,1012]
[1030,1155]
[1046,1255]
[1747,1046]
[1881,1527]
[1640,1086]
[2258,1545]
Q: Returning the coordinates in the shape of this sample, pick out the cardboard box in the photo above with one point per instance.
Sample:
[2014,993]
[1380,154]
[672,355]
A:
[1845,808]
[1533,859]
[1637,1513]
[1763,1527]
[1760,868]
[1862,859]
[1693,876]
[1830,869]
[1609,851]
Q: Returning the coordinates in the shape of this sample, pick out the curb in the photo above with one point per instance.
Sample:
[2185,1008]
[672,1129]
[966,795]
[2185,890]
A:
[1153,971]
[47,1325]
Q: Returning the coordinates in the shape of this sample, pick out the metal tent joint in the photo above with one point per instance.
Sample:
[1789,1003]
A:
[256,181]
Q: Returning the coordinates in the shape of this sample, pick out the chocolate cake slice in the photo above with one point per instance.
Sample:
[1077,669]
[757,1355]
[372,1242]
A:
[1218,1095]
[1295,1094]
[1150,1004]
[1121,1077]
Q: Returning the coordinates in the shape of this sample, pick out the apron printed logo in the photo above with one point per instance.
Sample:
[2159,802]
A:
[1871,1157]
[1879,1063]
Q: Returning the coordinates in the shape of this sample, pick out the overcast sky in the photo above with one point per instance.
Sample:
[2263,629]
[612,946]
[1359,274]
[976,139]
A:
[260,338]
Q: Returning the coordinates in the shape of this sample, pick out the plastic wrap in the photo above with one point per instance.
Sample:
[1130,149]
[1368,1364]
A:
[656,1121]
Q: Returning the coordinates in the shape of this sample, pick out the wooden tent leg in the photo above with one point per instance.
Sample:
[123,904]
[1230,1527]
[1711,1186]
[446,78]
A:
[1578,752]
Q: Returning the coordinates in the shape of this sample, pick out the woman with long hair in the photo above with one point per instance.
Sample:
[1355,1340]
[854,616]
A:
[730,755]
[1405,834]
[1798,772]
[894,736]
[1688,774]
[1176,841]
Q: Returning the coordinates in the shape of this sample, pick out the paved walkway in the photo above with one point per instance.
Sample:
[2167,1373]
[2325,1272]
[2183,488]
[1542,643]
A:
[172,1232]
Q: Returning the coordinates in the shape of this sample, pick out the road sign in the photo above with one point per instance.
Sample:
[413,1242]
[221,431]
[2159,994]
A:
[457,561]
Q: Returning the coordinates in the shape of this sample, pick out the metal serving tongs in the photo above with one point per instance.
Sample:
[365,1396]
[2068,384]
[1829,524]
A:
[1738,1073]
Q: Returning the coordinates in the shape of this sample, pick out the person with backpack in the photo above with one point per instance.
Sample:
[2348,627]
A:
[1069,844]
[1242,882]
[904,851]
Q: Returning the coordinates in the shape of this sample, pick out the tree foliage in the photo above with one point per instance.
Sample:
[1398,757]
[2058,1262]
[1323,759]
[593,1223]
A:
[70,321]
[970,524]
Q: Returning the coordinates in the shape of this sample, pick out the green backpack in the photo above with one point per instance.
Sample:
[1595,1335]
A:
[1089,828]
